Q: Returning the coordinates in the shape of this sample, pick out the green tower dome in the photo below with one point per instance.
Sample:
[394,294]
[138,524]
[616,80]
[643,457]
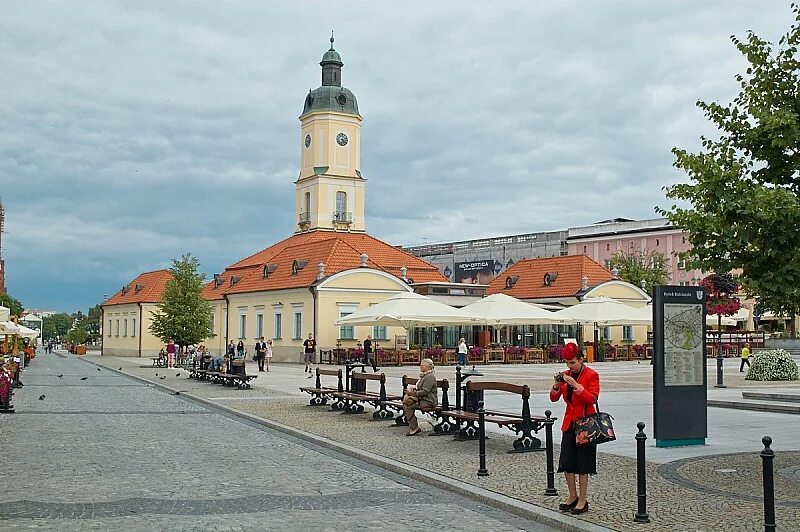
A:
[331,96]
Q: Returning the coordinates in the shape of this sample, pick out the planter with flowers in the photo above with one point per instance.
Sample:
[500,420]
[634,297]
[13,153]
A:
[515,354]
[773,365]
[476,355]
[437,354]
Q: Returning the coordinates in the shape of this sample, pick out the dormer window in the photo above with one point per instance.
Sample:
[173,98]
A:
[268,270]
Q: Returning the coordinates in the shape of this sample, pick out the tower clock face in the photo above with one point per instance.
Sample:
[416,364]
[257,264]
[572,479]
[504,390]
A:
[307,141]
[341,139]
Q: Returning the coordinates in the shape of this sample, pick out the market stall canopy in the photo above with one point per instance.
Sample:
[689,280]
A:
[9,327]
[5,314]
[502,309]
[604,311]
[711,319]
[25,332]
[408,309]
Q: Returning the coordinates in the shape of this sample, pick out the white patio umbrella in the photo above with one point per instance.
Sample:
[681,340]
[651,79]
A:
[711,319]
[605,311]
[5,314]
[9,327]
[25,332]
[502,309]
[408,309]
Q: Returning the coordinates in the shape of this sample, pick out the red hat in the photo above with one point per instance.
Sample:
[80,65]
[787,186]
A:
[569,351]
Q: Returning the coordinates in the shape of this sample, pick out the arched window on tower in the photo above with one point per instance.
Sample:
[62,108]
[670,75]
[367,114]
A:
[305,216]
[341,206]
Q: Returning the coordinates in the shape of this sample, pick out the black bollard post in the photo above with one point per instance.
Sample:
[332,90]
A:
[551,474]
[641,480]
[482,471]
[767,457]
[458,388]
[720,357]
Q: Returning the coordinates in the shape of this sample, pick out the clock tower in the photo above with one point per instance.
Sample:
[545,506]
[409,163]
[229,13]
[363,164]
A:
[330,190]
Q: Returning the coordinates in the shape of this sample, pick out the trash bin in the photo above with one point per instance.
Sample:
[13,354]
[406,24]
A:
[590,353]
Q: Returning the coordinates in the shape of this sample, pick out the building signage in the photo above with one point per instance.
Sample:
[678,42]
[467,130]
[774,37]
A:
[679,366]
[476,272]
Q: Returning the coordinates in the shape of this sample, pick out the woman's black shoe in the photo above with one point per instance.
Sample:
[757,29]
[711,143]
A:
[566,507]
[583,510]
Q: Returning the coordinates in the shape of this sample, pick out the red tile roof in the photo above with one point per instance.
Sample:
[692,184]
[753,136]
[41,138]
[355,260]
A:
[338,251]
[530,272]
[146,288]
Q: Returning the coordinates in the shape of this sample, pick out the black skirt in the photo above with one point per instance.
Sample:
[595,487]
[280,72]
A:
[577,459]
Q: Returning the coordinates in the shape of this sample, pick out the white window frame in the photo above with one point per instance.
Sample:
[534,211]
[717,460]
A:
[242,323]
[109,327]
[627,333]
[125,327]
[133,328]
[259,323]
[116,328]
[347,332]
[277,321]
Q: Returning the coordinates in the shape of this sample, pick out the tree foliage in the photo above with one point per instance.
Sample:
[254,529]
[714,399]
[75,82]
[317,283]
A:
[744,187]
[635,265]
[76,336]
[183,315]
[12,304]
[57,325]
[721,297]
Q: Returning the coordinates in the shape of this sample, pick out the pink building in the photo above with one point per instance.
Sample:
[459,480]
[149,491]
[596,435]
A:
[602,240]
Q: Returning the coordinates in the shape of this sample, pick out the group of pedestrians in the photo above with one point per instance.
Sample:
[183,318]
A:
[262,352]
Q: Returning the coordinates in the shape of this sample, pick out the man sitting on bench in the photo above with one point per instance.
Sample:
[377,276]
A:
[424,396]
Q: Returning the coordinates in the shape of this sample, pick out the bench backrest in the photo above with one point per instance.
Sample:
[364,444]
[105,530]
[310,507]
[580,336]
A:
[522,390]
[371,377]
[333,373]
[442,385]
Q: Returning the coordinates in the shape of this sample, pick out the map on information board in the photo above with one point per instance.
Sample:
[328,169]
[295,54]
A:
[684,360]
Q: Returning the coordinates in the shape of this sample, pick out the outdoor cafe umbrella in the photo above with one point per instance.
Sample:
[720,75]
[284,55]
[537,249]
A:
[25,332]
[502,309]
[5,313]
[8,328]
[605,311]
[408,309]
[602,310]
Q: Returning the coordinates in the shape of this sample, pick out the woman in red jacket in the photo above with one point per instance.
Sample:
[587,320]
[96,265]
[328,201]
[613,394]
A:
[579,385]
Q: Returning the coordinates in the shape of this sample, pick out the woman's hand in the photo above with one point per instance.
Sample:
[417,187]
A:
[570,381]
[411,388]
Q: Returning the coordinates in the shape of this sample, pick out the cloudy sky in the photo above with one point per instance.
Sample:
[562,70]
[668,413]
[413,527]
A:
[132,132]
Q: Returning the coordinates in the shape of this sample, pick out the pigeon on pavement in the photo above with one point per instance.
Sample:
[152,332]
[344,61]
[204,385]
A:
[163,377]
[98,369]
[177,374]
[41,397]
[84,378]
[59,376]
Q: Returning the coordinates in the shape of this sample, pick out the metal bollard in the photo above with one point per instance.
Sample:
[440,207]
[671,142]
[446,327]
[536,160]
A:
[482,471]
[767,458]
[641,479]
[551,474]
[720,359]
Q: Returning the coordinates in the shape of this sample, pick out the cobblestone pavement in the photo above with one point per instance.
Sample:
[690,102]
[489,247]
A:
[698,493]
[110,452]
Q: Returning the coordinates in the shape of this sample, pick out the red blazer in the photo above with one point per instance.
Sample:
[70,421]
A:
[583,399]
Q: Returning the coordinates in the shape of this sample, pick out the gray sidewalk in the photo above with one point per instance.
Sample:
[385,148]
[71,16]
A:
[712,487]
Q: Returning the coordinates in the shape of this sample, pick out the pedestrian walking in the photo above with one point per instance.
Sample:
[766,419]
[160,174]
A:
[369,354]
[171,349]
[309,351]
[261,351]
[462,352]
[579,386]
[745,356]
[268,352]
[240,350]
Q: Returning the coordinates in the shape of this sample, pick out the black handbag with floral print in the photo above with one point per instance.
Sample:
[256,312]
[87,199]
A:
[594,429]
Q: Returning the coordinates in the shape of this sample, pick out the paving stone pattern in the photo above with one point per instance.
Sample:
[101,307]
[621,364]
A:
[113,453]
[686,495]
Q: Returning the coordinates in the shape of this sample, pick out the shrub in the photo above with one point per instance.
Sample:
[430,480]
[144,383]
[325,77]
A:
[773,365]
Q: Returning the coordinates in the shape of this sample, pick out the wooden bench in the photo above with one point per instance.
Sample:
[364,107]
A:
[357,393]
[240,380]
[523,424]
[320,394]
[444,424]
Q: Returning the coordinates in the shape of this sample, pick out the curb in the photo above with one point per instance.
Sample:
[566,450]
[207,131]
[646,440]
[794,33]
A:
[490,498]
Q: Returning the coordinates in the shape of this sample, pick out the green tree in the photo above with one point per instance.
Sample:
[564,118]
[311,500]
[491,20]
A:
[636,265]
[744,187]
[57,325]
[76,336]
[11,304]
[90,322]
[183,315]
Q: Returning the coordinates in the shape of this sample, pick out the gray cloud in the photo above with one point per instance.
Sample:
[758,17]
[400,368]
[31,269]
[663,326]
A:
[133,132]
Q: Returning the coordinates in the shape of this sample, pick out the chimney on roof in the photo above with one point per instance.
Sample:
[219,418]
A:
[364,258]
[321,273]
[615,272]
[404,273]
[585,282]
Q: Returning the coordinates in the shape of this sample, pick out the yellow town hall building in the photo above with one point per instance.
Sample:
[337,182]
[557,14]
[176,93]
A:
[330,267]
